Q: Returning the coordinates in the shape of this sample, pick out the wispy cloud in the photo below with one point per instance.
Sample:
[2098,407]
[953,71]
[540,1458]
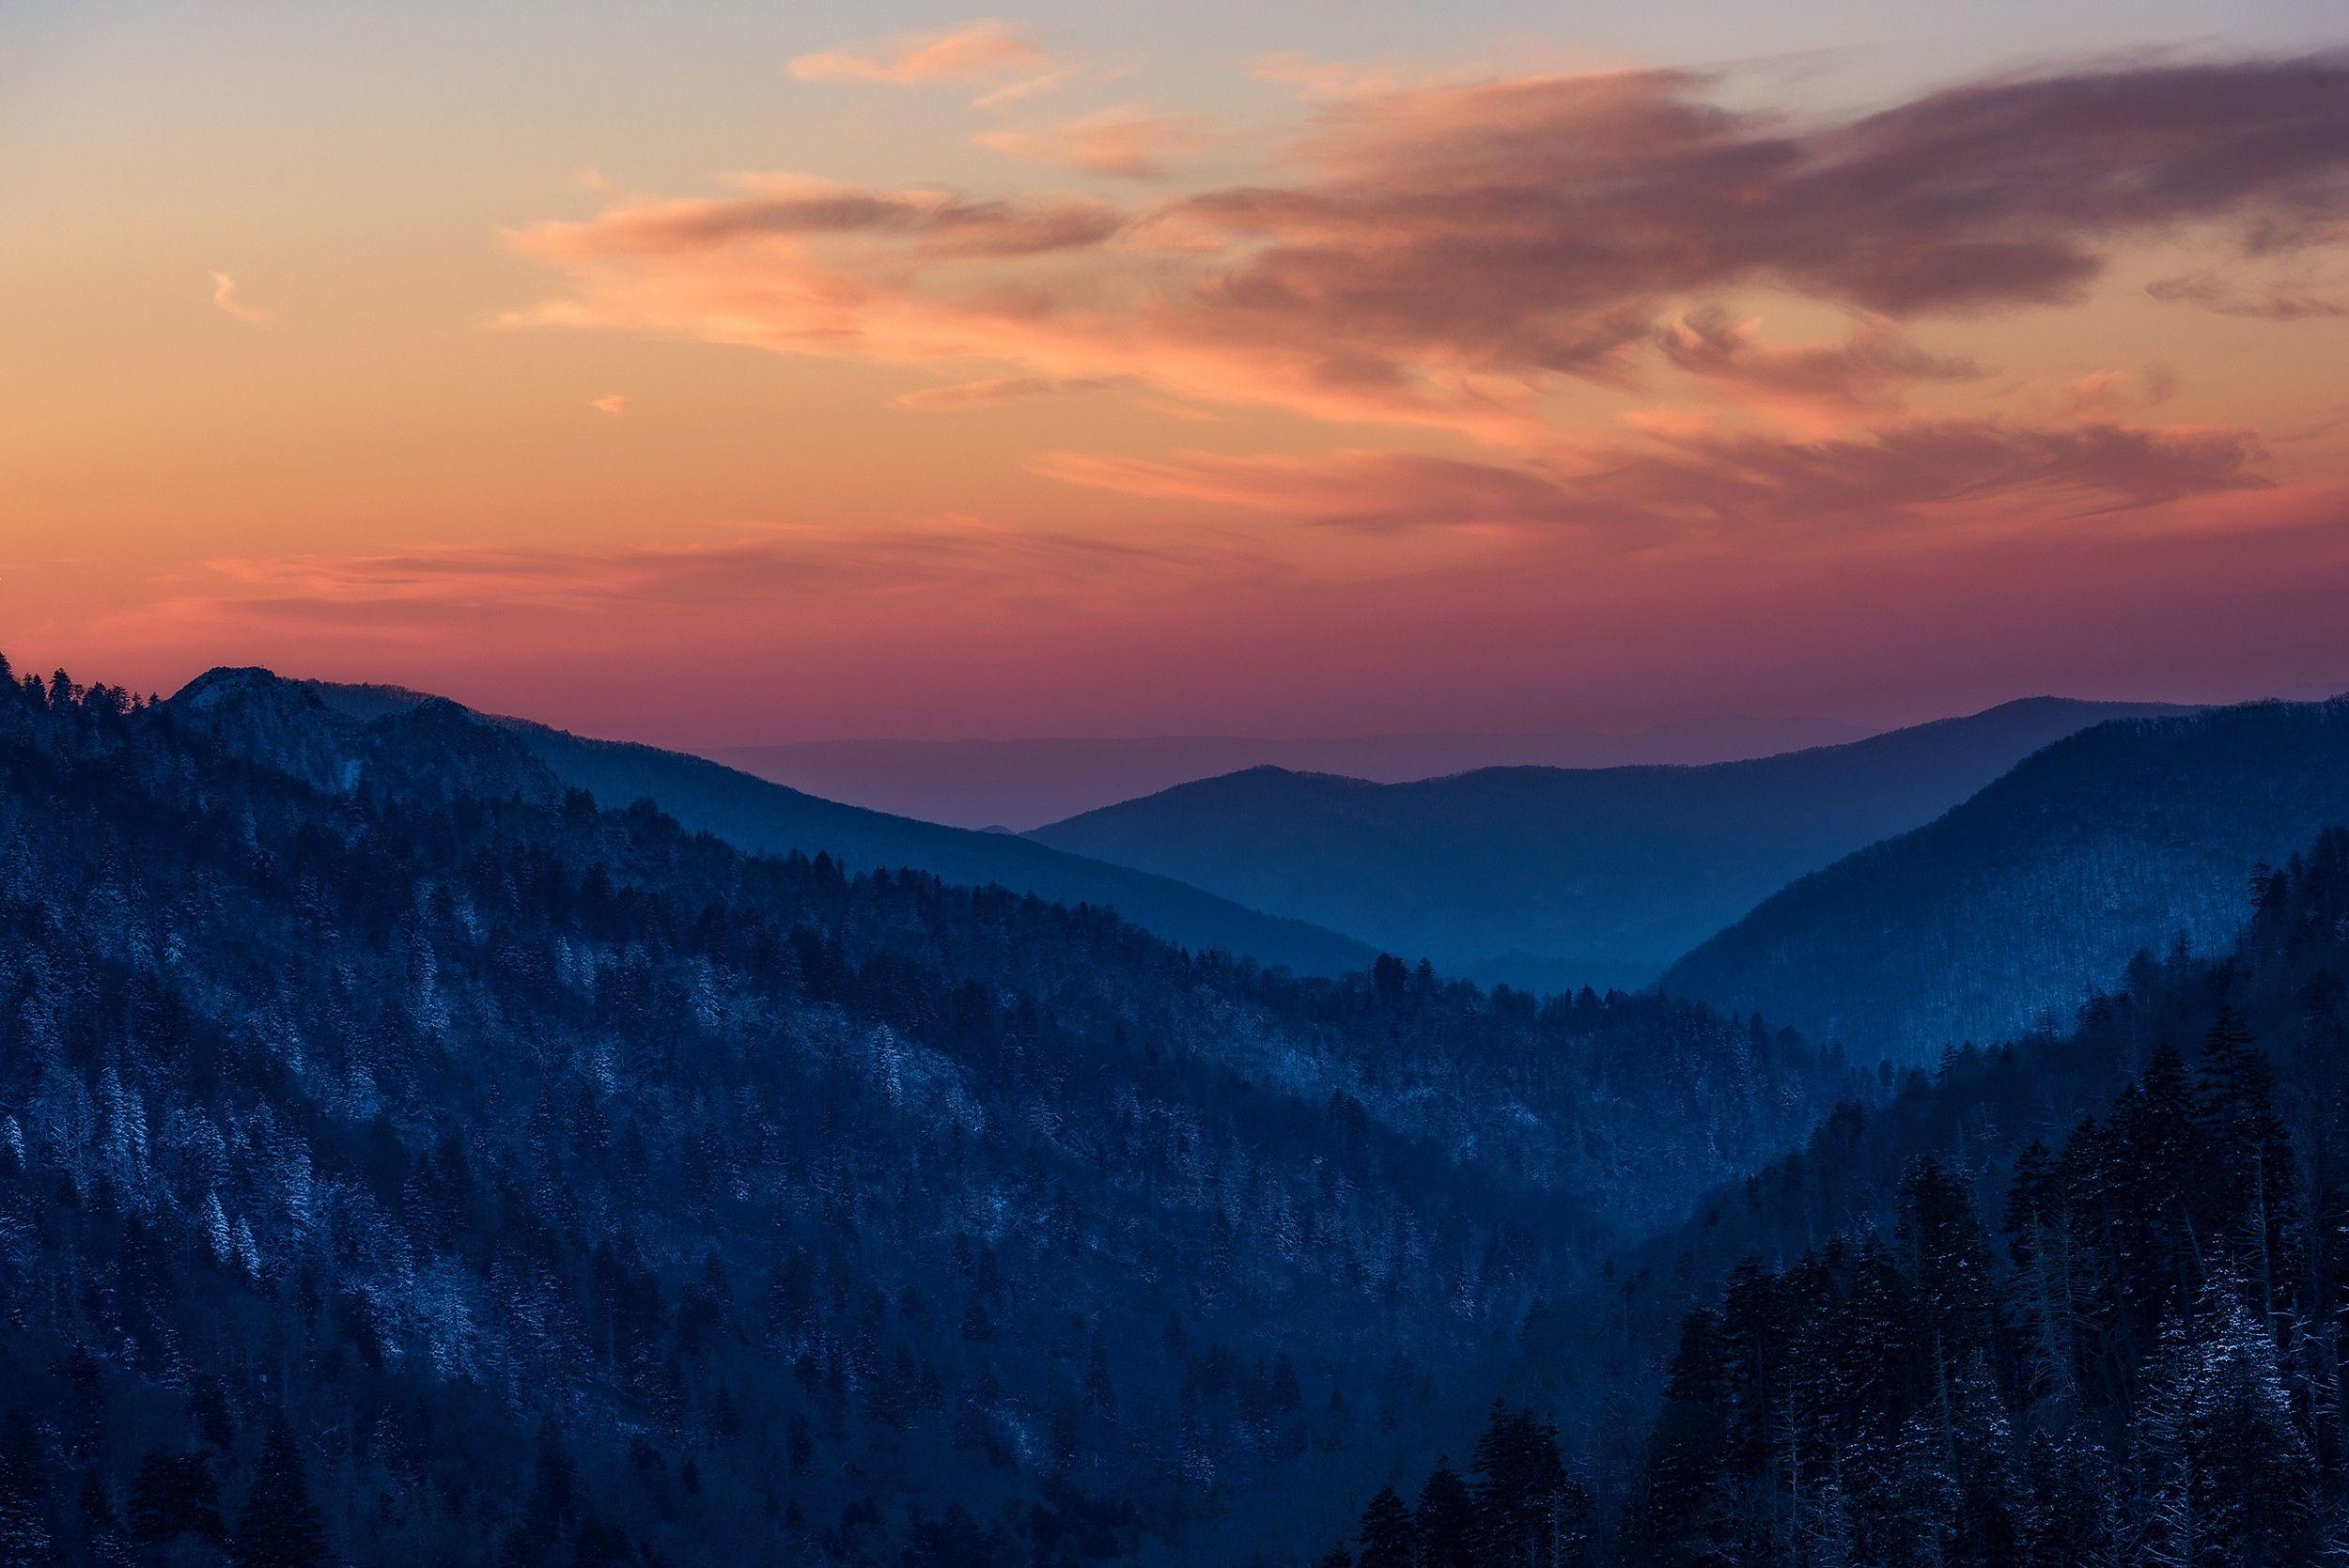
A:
[1444,254]
[750,571]
[614,404]
[2213,291]
[226,299]
[1713,482]
[999,389]
[979,50]
[1129,144]
[1867,371]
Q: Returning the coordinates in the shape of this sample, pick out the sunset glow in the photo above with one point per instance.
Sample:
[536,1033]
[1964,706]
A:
[767,379]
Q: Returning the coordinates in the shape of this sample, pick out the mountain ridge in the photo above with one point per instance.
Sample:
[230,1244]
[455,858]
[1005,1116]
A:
[1031,781]
[1976,925]
[257,708]
[1601,876]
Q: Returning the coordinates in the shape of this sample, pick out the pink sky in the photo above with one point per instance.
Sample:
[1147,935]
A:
[978,378]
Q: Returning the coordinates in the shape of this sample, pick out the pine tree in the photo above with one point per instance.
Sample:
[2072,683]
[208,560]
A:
[1680,1512]
[2038,1220]
[1443,1524]
[1946,1258]
[2252,1155]
[277,1527]
[1529,1514]
[2229,1468]
[1385,1538]
[174,1494]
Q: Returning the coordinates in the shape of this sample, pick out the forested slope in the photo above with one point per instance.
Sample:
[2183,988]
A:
[1555,878]
[2075,1299]
[2018,905]
[414,1162]
[292,723]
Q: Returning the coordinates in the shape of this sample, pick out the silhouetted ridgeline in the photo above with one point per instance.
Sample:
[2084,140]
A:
[2019,904]
[296,723]
[1553,877]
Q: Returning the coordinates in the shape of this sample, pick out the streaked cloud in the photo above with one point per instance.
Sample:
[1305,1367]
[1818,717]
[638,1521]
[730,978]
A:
[1128,143]
[1868,370]
[751,570]
[614,404]
[934,225]
[1713,482]
[2213,291]
[977,50]
[1448,254]
[1000,389]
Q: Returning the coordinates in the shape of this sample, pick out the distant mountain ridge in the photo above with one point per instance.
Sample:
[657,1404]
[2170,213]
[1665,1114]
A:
[333,736]
[1547,878]
[2008,910]
[1025,783]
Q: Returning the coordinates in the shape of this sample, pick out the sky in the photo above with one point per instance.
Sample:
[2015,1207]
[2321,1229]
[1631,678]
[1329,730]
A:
[725,374]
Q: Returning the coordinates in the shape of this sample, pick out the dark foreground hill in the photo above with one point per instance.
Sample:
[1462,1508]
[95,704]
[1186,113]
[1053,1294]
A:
[2036,892]
[288,722]
[403,1160]
[2075,1299]
[1553,877]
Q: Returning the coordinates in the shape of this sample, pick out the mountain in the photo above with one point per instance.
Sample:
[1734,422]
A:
[411,1167]
[1552,877]
[1026,784]
[329,735]
[2036,892]
[2076,1298]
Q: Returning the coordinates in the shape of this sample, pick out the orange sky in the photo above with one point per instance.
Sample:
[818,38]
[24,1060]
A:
[716,380]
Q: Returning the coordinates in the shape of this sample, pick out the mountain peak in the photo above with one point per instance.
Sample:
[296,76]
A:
[228,683]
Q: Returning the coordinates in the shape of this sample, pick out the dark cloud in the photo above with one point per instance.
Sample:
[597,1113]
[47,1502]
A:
[1864,371]
[1439,255]
[1540,224]
[940,223]
[2213,293]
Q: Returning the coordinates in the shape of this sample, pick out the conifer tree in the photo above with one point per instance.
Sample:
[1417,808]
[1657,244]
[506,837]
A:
[1443,1523]
[277,1527]
[1385,1537]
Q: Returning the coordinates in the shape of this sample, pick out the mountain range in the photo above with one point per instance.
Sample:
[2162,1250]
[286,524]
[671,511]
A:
[318,730]
[2073,1298]
[1027,784]
[406,1157]
[2015,907]
[419,1144]
[1552,877]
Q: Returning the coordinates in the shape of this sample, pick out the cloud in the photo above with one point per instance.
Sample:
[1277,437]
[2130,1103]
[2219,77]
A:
[616,404]
[1866,371]
[1716,481]
[1001,389]
[1360,488]
[974,51]
[749,573]
[1128,143]
[225,300]
[933,224]
[1444,252]
[2105,395]
[2213,293]
[1529,223]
